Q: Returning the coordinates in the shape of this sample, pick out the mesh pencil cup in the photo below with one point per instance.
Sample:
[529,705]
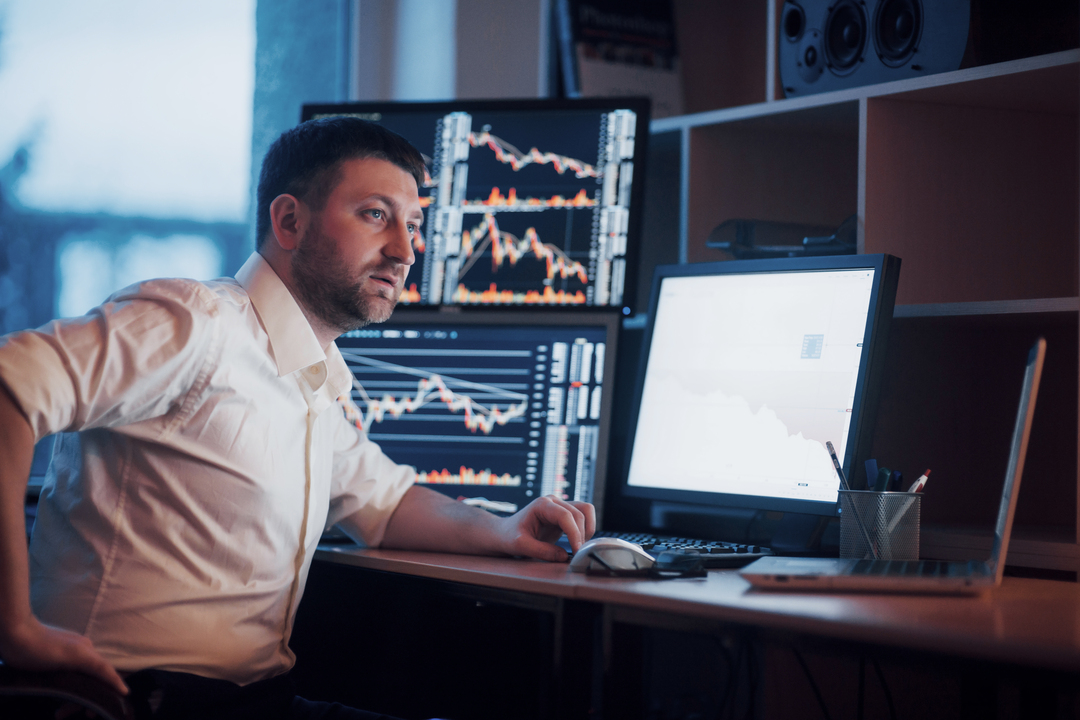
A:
[888,522]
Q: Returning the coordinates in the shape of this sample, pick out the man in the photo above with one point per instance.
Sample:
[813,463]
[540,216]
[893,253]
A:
[177,526]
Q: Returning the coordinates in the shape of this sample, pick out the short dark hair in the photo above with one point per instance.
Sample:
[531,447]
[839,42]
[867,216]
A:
[305,161]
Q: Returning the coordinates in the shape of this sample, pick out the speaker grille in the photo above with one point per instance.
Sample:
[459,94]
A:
[845,36]
[897,28]
[794,22]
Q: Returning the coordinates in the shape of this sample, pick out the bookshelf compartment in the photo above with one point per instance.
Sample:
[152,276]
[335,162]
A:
[979,202]
[799,166]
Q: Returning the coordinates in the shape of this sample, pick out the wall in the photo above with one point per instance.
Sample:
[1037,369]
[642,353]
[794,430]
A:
[301,56]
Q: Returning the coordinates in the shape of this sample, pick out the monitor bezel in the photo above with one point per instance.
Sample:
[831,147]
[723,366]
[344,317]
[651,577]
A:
[641,107]
[875,340]
[502,317]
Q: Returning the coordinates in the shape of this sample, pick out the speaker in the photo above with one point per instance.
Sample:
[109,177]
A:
[833,44]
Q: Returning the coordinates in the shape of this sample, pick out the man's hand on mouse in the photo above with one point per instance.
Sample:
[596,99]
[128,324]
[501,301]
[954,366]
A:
[533,530]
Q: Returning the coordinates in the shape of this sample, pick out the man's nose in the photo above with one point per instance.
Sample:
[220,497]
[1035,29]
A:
[400,247]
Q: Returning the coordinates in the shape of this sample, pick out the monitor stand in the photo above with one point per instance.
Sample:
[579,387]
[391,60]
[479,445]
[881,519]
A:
[799,534]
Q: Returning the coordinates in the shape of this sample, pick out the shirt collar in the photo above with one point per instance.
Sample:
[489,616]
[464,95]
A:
[338,375]
[292,340]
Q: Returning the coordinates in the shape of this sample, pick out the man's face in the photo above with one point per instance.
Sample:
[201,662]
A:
[352,261]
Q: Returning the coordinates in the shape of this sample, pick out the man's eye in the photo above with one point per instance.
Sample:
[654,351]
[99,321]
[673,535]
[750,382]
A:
[376,213]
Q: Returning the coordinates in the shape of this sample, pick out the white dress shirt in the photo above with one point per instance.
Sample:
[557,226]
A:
[176,527]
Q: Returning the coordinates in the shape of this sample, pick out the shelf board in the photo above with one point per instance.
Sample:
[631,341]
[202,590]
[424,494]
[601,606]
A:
[1030,83]
[990,307]
[1033,87]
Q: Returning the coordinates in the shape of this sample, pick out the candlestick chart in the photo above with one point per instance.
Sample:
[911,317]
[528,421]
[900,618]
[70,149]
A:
[521,208]
[470,407]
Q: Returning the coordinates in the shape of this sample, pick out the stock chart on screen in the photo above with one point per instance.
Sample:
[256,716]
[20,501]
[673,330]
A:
[526,203]
[495,414]
[748,376]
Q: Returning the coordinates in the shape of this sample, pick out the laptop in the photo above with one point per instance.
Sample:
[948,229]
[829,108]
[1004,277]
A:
[917,576]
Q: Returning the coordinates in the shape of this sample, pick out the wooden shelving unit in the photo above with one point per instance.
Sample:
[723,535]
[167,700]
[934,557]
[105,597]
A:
[973,179]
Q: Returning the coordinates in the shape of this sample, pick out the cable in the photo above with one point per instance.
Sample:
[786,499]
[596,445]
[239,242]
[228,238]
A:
[813,685]
[885,687]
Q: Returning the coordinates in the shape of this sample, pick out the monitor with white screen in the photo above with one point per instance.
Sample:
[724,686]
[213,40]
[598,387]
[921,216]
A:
[526,202]
[748,369]
[494,408]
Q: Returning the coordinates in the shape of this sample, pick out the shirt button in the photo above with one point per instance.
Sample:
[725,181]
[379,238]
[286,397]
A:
[314,369]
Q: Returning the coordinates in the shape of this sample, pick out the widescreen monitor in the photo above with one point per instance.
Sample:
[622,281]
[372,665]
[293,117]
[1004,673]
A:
[495,408]
[526,202]
[748,369]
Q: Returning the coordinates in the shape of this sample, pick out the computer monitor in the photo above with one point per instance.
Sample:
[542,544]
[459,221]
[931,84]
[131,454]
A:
[526,202]
[748,369]
[493,407]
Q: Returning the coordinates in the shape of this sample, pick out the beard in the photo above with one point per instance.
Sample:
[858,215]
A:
[330,292]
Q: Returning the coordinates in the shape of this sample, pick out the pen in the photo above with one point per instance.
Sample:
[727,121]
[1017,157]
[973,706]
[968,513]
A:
[844,485]
[836,464]
[920,484]
[916,487]
[881,483]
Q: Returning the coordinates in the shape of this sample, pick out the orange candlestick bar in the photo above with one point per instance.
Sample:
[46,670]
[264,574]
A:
[494,296]
[468,476]
[496,199]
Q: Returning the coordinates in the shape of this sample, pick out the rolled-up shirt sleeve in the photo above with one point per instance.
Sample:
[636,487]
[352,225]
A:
[367,486]
[133,358]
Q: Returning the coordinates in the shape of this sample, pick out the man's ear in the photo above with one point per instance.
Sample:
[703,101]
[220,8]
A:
[288,220]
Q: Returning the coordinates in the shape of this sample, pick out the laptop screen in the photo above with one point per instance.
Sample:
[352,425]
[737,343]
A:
[1017,453]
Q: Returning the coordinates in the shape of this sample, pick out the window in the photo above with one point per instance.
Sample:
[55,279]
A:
[125,147]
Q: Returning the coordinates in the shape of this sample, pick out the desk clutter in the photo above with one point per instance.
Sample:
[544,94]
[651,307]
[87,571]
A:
[881,525]
[881,522]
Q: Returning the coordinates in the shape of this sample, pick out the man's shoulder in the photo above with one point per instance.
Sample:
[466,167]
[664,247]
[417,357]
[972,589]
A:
[210,297]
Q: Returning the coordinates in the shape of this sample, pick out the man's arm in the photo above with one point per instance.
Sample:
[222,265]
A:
[427,520]
[25,642]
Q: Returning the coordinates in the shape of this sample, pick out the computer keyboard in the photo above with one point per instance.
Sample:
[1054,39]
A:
[713,553]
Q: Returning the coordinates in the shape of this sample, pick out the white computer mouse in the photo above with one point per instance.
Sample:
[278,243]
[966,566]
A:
[616,554]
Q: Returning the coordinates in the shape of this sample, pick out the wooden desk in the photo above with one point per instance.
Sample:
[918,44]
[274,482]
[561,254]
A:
[1023,629]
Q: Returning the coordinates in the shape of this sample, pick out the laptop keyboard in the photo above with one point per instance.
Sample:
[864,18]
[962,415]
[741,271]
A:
[919,568]
[713,553]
